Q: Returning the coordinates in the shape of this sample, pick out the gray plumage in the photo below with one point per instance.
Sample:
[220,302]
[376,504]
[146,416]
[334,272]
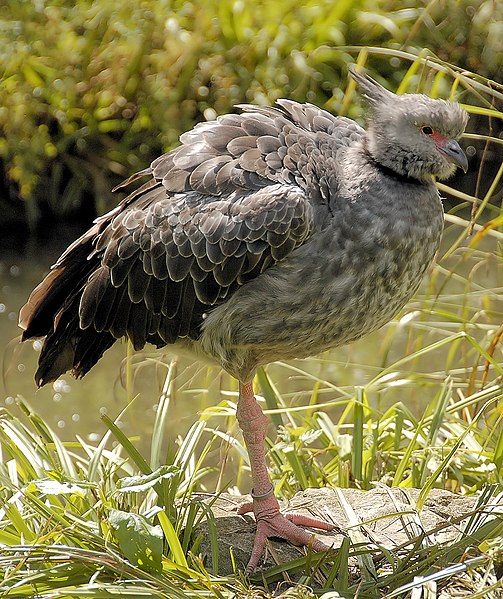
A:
[272,234]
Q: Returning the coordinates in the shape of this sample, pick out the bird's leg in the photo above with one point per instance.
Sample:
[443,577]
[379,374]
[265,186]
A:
[265,506]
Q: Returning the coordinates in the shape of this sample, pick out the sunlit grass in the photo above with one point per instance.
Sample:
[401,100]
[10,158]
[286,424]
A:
[99,89]
[81,518]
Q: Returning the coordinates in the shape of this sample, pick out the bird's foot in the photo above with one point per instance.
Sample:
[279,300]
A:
[271,523]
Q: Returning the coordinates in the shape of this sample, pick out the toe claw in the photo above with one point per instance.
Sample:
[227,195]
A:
[301,520]
[271,523]
[245,508]
[257,551]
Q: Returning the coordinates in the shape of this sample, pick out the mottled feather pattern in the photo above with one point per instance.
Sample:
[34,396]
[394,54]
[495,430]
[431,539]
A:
[253,149]
[219,210]
[217,245]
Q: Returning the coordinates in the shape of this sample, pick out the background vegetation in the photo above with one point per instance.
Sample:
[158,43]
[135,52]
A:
[92,91]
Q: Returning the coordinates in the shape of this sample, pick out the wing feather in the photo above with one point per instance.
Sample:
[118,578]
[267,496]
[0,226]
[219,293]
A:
[182,258]
[238,195]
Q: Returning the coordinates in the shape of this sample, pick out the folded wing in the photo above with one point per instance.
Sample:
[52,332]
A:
[239,194]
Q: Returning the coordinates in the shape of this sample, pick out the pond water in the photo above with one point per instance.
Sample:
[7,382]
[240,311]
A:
[73,407]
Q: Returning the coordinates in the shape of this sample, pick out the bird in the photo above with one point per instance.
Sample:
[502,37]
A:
[272,233]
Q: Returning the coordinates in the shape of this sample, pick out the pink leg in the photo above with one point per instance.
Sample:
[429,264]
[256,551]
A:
[265,506]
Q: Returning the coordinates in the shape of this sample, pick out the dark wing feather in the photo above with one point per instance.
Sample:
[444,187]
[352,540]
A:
[195,283]
[287,143]
[238,195]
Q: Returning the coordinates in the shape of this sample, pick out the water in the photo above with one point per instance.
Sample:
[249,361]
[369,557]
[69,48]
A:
[73,407]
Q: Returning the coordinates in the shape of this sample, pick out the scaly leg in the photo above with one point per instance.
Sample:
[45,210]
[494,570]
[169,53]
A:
[265,506]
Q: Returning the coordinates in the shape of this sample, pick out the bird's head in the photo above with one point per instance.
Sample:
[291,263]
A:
[413,134]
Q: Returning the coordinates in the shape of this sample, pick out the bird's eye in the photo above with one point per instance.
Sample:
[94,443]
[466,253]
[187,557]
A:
[427,130]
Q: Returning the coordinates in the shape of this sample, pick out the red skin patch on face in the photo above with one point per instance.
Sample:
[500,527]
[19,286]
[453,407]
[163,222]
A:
[439,139]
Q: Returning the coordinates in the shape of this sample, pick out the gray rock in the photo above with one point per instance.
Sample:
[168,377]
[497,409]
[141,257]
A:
[387,515]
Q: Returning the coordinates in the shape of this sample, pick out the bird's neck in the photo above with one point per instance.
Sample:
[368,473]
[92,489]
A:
[393,161]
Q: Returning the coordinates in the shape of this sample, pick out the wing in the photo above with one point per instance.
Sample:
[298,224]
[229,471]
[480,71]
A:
[167,260]
[290,143]
[239,194]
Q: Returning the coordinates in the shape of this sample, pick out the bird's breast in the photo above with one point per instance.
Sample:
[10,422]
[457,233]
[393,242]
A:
[348,279]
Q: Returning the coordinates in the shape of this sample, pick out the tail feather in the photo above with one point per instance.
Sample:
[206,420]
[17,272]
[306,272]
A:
[69,348]
[91,346]
[52,311]
[46,300]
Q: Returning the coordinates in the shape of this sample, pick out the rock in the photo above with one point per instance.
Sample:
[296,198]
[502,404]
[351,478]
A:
[388,518]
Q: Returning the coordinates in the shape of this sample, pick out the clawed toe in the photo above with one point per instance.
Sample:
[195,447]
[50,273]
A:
[282,527]
[271,523]
[301,520]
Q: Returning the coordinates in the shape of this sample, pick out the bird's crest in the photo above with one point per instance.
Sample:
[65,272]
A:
[372,91]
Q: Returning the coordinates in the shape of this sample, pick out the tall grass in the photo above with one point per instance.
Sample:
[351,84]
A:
[94,91]
[82,520]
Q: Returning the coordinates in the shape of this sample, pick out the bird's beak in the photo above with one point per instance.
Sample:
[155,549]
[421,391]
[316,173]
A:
[455,154]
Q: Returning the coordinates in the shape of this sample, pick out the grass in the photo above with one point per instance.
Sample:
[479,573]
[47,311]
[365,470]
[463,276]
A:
[82,520]
[104,520]
[100,88]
